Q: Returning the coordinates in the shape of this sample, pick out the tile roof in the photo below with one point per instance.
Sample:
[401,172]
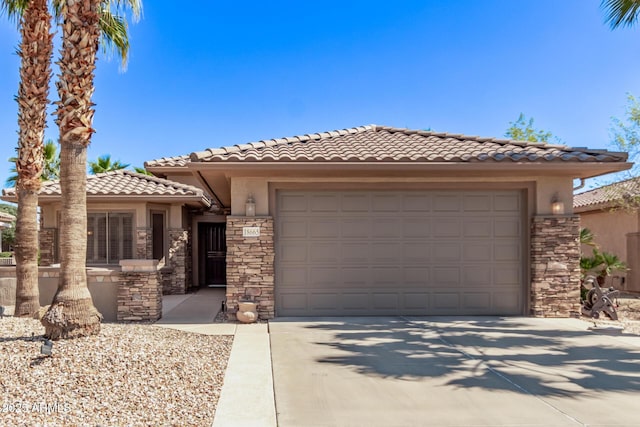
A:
[386,144]
[168,161]
[125,183]
[608,194]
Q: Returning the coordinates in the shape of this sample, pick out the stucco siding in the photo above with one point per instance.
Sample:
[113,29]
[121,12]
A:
[610,229]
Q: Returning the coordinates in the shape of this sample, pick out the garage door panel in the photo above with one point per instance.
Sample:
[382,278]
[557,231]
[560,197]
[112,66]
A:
[292,301]
[416,203]
[420,253]
[356,301]
[476,300]
[445,301]
[478,251]
[386,253]
[386,203]
[354,253]
[324,229]
[394,253]
[324,300]
[477,203]
[355,228]
[478,228]
[385,275]
[415,276]
[416,301]
[385,301]
[416,228]
[506,275]
[355,276]
[293,252]
[324,252]
[323,277]
[507,203]
[446,276]
[506,251]
[480,275]
[447,252]
[386,228]
[292,203]
[444,227]
[356,203]
[507,301]
[324,203]
[506,227]
[446,203]
[292,276]
[293,229]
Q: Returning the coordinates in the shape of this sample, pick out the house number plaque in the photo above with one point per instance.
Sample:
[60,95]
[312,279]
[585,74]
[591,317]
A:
[250,231]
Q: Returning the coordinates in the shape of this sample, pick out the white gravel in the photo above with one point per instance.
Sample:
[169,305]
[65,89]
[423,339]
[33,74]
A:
[129,375]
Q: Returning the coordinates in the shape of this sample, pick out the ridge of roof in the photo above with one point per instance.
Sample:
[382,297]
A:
[580,153]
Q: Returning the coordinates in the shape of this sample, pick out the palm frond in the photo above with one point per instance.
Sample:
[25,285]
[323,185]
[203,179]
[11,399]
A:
[621,13]
[13,9]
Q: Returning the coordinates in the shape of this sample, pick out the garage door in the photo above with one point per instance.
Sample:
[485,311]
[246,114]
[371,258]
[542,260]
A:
[399,253]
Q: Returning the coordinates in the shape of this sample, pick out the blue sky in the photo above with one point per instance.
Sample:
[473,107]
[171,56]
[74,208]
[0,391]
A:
[222,73]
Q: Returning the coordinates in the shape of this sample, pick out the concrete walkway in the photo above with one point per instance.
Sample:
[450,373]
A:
[247,398]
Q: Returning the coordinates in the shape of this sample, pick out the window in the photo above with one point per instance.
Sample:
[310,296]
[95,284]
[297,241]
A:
[157,232]
[109,237]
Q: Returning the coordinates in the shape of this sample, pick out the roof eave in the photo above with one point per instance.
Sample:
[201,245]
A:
[575,169]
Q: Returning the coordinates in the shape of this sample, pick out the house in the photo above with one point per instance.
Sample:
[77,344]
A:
[611,213]
[371,220]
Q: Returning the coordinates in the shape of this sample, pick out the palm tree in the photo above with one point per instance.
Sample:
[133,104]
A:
[35,73]
[50,166]
[35,51]
[72,313]
[104,164]
[620,13]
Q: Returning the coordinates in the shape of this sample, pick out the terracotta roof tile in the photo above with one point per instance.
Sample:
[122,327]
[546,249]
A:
[125,183]
[386,144]
[168,161]
[609,194]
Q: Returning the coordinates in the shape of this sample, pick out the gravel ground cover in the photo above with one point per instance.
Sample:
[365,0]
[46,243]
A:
[129,375]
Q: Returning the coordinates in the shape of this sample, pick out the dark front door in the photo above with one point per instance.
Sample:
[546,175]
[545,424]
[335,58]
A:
[213,252]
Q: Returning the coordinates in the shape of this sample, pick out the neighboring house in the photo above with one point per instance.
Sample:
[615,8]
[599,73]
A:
[609,212]
[371,220]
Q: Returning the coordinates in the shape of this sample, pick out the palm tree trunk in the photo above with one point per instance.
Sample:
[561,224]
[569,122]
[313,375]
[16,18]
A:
[35,73]
[72,313]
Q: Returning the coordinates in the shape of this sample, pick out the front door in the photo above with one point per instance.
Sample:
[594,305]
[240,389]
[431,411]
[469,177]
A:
[212,271]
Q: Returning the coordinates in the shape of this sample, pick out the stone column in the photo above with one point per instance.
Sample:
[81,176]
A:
[250,269]
[139,291]
[555,266]
[47,243]
[178,241]
[144,243]
[633,263]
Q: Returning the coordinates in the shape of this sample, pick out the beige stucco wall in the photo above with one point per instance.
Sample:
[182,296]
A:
[610,229]
[141,211]
[543,188]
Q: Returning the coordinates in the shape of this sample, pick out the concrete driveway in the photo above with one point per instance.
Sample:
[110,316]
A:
[484,371]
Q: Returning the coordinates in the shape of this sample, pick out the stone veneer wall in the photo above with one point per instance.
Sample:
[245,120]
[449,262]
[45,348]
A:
[139,291]
[250,270]
[177,270]
[47,242]
[144,243]
[555,266]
